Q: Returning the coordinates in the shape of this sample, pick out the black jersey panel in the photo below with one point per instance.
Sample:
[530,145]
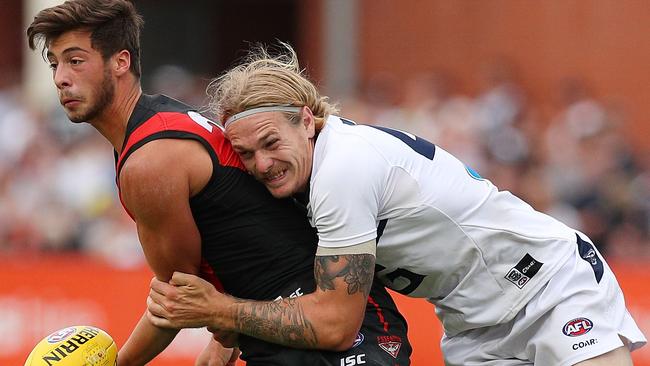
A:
[256,244]
[148,106]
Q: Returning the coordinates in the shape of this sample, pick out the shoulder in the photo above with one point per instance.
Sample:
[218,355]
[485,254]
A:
[147,160]
[146,171]
[162,103]
[158,155]
[348,171]
[161,164]
[161,114]
[343,138]
[344,151]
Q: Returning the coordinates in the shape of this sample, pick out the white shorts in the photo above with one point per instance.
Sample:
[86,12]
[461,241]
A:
[573,318]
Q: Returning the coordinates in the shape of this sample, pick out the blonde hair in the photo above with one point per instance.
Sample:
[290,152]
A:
[265,80]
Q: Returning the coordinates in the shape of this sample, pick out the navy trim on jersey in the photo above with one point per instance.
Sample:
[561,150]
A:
[347,122]
[418,144]
[589,255]
[380,229]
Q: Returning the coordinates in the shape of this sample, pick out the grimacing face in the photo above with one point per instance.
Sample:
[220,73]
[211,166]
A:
[82,78]
[275,151]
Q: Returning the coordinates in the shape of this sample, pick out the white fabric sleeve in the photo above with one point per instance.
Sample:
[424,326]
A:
[369,247]
[345,194]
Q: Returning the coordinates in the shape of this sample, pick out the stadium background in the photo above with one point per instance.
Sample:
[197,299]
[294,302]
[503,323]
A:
[549,100]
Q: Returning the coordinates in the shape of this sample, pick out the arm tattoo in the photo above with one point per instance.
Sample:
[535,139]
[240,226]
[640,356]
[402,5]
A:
[284,321]
[357,270]
[281,321]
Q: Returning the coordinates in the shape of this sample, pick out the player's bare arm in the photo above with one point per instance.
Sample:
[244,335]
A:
[156,183]
[343,283]
[355,270]
[329,318]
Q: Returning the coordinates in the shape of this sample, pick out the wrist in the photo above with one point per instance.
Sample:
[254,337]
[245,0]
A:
[227,319]
[123,359]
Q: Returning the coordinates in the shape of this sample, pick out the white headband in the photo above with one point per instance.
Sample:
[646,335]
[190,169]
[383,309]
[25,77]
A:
[272,108]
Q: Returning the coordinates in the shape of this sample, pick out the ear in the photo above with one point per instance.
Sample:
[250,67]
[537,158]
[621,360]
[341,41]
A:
[308,121]
[121,62]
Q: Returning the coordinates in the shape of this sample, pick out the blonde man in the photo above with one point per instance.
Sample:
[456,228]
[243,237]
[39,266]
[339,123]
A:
[512,286]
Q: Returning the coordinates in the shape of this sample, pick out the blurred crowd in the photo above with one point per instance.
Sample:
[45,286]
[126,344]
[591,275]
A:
[57,179]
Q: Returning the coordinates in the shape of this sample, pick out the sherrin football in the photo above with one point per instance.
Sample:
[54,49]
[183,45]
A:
[75,346]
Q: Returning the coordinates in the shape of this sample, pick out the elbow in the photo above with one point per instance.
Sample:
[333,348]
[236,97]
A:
[341,343]
[339,336]
[335,319]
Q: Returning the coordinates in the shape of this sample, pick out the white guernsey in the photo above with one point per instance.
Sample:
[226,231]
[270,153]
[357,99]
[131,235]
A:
[443,232]
[512,286]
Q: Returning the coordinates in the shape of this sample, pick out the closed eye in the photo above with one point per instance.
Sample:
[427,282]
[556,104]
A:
[244,155]
[270,144]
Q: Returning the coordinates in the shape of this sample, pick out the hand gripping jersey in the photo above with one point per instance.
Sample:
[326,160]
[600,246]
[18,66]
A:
[255,246]
[442,232]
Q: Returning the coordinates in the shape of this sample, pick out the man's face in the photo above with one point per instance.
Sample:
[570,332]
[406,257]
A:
[82,78]
[277,152]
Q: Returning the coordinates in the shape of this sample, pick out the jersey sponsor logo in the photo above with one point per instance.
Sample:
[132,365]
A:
[390,344]
[583,344]
[523,271]
[358,340]
[577,327]
[353,360]
[61,335]
[296,293]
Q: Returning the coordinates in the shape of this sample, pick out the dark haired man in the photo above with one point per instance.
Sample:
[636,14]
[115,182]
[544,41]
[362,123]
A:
[195,207]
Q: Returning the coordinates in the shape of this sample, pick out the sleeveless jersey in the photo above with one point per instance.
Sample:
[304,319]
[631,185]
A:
[244,231]
[443,232]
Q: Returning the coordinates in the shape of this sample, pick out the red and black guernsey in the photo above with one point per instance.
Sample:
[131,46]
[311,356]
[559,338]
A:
[253,245]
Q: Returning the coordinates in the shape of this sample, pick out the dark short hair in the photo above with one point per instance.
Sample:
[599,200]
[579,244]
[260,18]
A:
[114,25]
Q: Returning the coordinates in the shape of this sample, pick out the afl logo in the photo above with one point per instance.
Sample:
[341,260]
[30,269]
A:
[577,327]
[61,335]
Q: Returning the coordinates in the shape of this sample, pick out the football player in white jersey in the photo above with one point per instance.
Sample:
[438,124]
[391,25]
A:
[511,285]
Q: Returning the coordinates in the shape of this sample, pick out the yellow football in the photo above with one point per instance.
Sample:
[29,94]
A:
[80,345]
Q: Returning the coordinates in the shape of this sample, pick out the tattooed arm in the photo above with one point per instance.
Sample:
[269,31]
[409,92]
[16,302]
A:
[329,318]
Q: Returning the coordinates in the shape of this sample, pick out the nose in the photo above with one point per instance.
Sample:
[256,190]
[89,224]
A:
[62,77]
[263,162]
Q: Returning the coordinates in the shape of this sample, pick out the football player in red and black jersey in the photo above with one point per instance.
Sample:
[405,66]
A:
[196,208]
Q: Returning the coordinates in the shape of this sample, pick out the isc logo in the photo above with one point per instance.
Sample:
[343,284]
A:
[353,360]
[577,327]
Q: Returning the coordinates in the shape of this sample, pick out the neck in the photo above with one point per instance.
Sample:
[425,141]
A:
[111,123]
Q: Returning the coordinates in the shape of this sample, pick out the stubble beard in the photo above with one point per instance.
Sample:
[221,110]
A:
[105,95]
